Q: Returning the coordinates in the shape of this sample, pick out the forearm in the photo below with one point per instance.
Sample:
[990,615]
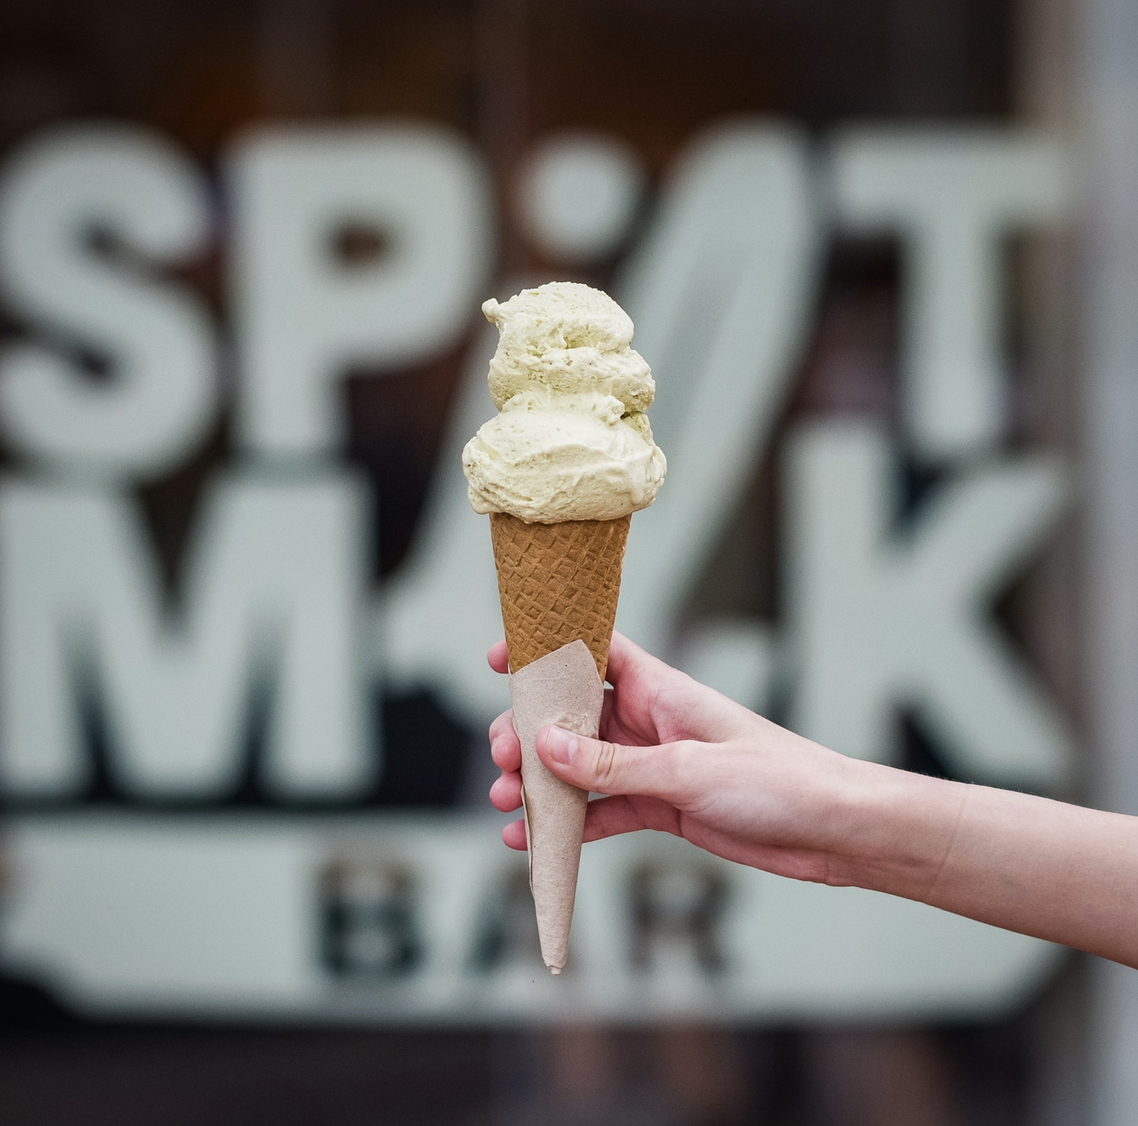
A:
[1041,867]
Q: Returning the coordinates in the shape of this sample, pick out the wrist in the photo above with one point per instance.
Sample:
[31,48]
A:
[892,829]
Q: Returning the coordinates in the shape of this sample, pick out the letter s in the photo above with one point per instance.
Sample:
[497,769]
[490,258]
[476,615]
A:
[57,194]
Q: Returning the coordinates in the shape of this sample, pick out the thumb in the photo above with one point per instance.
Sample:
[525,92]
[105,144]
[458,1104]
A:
[610,768]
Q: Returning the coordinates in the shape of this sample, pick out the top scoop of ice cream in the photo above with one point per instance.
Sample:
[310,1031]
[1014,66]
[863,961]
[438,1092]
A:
[566,337]
[572,441]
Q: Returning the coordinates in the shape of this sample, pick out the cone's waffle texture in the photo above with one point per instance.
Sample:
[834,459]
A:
[558,583]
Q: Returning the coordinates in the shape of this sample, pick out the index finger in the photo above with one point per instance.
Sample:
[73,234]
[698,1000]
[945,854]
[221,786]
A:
[625,657]
[498,657]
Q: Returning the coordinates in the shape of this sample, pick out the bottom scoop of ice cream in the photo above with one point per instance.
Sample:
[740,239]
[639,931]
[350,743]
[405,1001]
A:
[564,446]
[552,457]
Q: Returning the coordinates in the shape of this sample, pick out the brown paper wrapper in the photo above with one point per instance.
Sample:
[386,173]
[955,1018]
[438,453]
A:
[563,688]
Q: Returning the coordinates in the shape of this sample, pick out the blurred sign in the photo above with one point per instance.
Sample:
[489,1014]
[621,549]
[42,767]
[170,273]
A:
[425,918]
[276,611]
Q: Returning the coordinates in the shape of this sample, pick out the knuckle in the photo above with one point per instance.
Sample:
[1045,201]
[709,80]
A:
[501,728]
[605,764]
[679,767]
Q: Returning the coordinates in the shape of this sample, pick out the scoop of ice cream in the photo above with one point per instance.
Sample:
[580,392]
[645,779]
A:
[571,441]
[549,457]
[567,337]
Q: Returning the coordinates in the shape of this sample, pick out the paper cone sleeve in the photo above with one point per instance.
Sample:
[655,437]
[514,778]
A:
[558,583]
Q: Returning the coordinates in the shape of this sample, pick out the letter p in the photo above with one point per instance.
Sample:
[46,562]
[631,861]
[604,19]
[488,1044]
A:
[305,316]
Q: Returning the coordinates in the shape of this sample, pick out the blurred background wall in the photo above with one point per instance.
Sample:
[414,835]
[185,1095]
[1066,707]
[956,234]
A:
[881,259]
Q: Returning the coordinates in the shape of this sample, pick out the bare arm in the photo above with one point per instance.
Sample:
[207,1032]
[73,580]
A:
[1041,867]
[678,757]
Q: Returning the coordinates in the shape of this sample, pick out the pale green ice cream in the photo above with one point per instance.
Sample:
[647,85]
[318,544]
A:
[571,441]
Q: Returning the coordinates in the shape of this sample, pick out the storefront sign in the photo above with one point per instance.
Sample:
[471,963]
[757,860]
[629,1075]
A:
[276,610]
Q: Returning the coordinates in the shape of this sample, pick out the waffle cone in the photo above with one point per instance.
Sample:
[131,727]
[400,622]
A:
[558,584]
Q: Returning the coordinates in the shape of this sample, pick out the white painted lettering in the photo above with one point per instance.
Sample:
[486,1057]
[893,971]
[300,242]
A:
[272,589]
[304,317]
[881,620]
[59,196]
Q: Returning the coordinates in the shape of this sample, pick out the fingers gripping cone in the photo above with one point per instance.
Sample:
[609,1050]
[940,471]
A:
[558,584]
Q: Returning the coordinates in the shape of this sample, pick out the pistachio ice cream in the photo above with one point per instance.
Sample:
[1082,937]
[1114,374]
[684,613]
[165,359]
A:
[571,440]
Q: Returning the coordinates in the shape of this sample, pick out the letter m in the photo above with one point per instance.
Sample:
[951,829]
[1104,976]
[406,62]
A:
[271,595]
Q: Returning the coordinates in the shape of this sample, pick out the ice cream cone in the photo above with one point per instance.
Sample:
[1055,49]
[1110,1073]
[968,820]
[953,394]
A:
[558,583]
[560,469]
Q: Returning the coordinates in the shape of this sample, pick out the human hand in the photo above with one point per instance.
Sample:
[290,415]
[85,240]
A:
[677,756]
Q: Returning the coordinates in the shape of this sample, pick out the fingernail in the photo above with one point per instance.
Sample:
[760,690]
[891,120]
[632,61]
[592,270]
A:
[561,745]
